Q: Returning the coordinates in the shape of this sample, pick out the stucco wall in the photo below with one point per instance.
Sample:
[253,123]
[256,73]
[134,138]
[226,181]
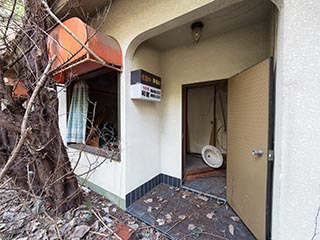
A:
[297,165]
[131,22]
[143,133]
[297,143]
[213,59]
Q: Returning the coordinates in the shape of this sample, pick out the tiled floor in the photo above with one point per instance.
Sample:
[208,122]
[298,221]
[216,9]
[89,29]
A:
[213,185]
[185,215]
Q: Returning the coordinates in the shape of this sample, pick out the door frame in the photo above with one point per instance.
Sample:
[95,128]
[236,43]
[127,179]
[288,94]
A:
[271,136]
[184,133]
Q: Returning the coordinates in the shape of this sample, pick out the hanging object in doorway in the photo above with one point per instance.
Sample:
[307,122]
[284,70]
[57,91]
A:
[212,156]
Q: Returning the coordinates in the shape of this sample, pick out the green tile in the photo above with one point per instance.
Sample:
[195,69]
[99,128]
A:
[112,197]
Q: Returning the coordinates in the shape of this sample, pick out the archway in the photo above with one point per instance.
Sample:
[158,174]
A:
[140,48]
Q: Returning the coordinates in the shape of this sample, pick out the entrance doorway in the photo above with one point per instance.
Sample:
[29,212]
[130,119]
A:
[233,117]
[205,121]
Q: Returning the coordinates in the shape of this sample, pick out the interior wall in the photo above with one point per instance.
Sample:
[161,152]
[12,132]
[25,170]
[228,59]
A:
[206,117]
[216,58]
[143,122]
[200,116]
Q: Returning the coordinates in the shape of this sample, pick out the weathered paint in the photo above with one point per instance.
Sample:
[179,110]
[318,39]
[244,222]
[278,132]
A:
[72,56]
[213,59]
[19,88]
[297,131]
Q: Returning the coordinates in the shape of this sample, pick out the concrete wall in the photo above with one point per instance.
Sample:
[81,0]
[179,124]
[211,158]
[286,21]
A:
[296,178]
[297,166]
[143,121]
[213,59]
[131,22]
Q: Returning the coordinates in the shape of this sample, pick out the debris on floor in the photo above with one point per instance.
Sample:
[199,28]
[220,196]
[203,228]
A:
[97,218]
[214,185]
[187,216]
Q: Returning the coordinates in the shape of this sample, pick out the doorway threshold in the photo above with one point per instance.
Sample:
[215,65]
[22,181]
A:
[220,200]
[212,186]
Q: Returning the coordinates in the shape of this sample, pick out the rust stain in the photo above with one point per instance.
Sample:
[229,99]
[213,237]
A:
[72,58]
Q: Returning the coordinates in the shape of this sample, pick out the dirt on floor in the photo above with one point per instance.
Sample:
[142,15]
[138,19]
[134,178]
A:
[97,218]
[184,215]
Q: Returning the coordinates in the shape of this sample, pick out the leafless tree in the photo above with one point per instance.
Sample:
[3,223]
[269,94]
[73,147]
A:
[32,152]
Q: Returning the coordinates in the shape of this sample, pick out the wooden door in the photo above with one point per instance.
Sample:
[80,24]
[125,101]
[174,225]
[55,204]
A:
[248,127]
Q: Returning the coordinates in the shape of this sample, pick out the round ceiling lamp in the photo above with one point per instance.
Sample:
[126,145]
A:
[196,28]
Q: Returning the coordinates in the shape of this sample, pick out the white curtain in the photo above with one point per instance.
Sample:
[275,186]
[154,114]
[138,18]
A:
[77,120]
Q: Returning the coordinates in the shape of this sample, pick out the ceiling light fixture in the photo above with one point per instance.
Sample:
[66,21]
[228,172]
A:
[196,28]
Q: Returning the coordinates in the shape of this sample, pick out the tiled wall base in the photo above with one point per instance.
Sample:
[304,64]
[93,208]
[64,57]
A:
[146,187]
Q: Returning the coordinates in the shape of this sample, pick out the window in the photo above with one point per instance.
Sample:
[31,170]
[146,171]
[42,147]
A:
[93,112]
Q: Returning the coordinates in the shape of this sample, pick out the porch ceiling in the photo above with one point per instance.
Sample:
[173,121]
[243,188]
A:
[236,16]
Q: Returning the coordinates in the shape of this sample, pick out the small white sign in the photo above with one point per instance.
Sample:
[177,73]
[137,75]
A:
[145,92]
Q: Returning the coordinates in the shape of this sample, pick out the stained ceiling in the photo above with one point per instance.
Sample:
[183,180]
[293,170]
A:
[236,16]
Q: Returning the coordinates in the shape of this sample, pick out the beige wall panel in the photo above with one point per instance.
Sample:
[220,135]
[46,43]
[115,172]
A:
[200,116]
[248,99]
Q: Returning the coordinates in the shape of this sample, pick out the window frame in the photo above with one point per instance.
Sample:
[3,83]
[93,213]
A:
[100,152]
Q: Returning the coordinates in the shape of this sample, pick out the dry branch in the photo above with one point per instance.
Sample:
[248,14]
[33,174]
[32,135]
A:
[24,129]
[71,33]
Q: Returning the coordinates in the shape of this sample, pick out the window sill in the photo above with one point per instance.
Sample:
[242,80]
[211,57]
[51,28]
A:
[101,152]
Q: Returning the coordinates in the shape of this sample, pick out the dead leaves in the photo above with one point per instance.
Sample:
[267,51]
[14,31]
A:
[231,229]
[210,215]
[191,227]
[80,231]
[235,218]
[149,200]
[160,221]
[79,223]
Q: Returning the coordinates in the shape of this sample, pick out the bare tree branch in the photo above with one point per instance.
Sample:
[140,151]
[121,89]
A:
[24,129]
[71,33]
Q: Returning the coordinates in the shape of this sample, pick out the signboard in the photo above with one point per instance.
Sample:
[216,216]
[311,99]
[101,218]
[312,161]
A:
[145,86]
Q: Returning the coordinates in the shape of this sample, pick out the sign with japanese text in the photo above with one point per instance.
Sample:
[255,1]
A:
[145,86]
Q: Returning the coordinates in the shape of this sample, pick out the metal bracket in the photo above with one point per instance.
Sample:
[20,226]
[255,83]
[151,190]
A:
[270,155]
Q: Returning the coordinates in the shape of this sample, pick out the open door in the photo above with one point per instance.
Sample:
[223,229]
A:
[248,145]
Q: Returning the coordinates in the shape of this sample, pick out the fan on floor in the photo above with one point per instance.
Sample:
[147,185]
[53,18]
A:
[212,156]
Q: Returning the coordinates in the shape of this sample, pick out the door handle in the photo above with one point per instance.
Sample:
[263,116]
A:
[257,152]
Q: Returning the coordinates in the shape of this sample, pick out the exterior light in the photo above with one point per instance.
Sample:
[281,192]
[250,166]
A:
[196,28]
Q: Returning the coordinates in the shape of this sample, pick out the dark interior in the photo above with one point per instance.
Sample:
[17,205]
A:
[103,110]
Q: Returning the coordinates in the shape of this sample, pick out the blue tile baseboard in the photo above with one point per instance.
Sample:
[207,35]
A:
[171,181]
[140,191]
